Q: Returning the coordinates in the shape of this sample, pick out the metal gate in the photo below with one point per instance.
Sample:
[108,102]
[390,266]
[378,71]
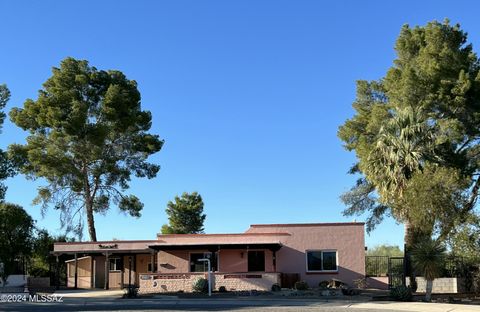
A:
[396,271]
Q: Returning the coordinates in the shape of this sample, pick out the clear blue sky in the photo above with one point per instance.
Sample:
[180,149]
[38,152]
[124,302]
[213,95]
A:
[248,96]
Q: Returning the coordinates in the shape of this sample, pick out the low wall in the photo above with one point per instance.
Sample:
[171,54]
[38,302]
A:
[379,282]
[15,280]
[443,285]
[173,282]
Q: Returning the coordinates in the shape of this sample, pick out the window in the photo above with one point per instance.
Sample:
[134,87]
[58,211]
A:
[115,264]
[321,260]
[201,266]
[256,261]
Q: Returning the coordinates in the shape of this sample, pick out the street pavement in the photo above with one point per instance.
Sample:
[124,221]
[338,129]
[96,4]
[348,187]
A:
[231,304]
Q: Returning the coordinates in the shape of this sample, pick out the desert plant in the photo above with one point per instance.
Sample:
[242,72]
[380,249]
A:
[360,283]
[301,285]
[324,284]
[428,257]
[276,287]
[200,285]
[401,293]
[130,292]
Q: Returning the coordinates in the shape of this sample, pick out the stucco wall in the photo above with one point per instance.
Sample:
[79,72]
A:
[348,239]
[84,266]
[444,285]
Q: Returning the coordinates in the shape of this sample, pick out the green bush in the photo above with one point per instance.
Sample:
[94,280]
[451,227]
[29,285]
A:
[39,272]
[200,285]
[276,287]
[130,292]
[324,284]
[301,285]
[401,293]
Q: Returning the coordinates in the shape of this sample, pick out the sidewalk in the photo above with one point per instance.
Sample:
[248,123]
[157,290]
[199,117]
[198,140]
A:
[415,306]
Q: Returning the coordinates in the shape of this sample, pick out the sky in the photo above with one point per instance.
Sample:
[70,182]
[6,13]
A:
[248,96]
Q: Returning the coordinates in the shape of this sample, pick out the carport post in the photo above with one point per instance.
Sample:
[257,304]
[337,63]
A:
[106,271]
[76,271]
[57,273]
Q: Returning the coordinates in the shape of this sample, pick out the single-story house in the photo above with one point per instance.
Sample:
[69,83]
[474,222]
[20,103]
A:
[264,255]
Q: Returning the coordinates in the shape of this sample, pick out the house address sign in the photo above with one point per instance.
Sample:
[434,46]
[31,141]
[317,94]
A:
[108,246]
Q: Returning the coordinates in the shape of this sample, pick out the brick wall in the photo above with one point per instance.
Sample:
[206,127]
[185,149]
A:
[156,283]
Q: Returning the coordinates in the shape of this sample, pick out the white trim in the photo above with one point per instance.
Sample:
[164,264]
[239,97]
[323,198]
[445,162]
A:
[78,259]
[114,258]
[321,259]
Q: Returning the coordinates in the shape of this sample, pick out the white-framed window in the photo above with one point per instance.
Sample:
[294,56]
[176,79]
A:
[321,260]
[115,264]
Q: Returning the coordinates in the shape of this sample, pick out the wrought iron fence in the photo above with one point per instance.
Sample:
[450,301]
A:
[376,265]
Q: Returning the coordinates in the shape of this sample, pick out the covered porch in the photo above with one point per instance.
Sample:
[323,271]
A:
[107,265]
[235,266]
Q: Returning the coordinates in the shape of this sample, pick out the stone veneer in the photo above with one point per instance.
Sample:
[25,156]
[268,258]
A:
[173,282]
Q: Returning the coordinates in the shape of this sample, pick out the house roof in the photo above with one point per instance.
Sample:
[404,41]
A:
[308,224]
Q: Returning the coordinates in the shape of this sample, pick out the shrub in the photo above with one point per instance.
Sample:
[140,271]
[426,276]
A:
[301,285]
[130,292]
[324,284]
[39,272]
[360,283]
[401,293]
[221,289]
[276,287]
[200,285]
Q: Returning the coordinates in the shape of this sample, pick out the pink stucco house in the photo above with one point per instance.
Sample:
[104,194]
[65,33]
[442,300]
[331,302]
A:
[264,255]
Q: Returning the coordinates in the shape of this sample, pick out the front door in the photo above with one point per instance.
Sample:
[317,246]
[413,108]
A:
[256,261]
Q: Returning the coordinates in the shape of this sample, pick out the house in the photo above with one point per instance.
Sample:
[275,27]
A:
[264,255]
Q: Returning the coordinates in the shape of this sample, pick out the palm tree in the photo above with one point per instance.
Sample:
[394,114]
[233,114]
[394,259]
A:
[403,146]
[428,257]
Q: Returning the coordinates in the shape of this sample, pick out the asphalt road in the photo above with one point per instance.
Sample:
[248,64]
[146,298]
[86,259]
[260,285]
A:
[184,305]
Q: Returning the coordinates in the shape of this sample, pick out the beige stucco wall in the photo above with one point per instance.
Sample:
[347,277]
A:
[83,273]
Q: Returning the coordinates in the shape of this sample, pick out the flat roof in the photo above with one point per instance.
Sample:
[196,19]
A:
[274,246]
[307,224]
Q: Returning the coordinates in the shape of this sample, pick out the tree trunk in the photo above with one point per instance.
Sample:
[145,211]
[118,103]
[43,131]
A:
[90,221]
[409,241]
[428,291]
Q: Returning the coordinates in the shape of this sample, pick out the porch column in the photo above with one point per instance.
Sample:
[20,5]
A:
[274,259]
[76,272]
[57,273]
[122,282]
[152,260]
[92,272]
[107,267]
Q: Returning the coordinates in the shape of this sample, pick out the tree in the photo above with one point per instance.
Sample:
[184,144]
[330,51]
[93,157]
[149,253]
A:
[185,215]
[428,257]
[41,260]
[6,168]
[385,250]
[16,228]
[419,122]
[87,136]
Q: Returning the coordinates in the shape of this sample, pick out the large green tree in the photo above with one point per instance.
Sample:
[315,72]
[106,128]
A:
[185,215]
[6,168]
[16,229]
[416,134]
[87,136]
